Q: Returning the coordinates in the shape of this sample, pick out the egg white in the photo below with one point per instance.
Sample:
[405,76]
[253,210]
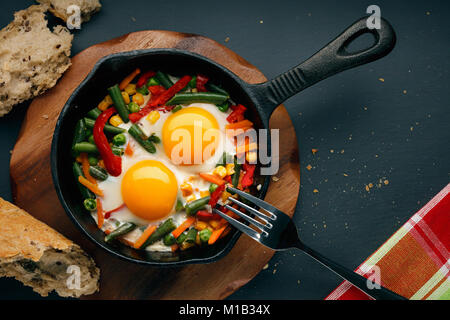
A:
[112,185]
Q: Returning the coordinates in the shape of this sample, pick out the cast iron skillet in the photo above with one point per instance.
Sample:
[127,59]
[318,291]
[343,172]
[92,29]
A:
[260,99]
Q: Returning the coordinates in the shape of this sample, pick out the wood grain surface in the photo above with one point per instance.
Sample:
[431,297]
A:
[33,188]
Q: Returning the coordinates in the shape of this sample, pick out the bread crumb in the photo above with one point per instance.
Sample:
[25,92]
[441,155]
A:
[309,167]
[331,151]
[386,182]
[133,19]
[275,179]
[316,191]
[345,175]
[227,39]
[381,79]
[274,271]
[261,21]
[314,151]
[367,188]
[370,185]
[45,116]
[266,266]
[428,13]
[405,92]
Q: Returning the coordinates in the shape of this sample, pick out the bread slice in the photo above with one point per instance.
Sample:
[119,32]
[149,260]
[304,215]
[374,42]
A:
[32,58]
[59,8]
[40,257]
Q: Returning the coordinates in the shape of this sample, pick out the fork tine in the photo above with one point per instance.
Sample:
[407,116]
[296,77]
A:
[239,225]
[249,219]
[260,203]
[261,215]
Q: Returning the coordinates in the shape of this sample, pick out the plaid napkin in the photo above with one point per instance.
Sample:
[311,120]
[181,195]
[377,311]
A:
[415,261]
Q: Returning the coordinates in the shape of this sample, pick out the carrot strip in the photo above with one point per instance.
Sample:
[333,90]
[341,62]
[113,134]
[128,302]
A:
[147,233]
[85,168]
[240,124]
[95,189]
[129,150]
[186,224]
[174,247]
[227,231]
[100,218]
[212,178]
[237,132]
[215,235]
[126,81]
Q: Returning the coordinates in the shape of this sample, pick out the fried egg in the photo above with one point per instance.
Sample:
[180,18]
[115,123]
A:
[150,183]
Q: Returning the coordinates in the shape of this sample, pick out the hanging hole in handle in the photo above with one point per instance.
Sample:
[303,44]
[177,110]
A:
[361,41]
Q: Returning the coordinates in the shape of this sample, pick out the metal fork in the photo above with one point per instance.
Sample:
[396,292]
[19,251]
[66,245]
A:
[277,231]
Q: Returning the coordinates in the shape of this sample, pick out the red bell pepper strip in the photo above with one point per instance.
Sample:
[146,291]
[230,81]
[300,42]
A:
[108,213]
[247,179]
[156,90]
[113,163]
[204,215]
[144,78]
[228,179]
[237,114]
[216,195]
[161,99]
[201,82]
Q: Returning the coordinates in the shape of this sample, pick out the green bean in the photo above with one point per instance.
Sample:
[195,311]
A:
[154,138]
[119,139]
[141,138]
[152,82]
[169,239]
[166,227]
[224,159]
[90,204]
[98,173]
[177,108]
[108,128]
[163,79]
[85,192]
[237,171]
[193,206]
[93,161]
[142,90]
[179,206]
[212,187]
[92,148]
[207,97]
[191,235]
[204,235]
[94,113]
[79,135]
[224,107]
[91,139]
[214,88]
[123,229]
[116,96]
[85,147]
[133,107]
[193,83]
[181,238]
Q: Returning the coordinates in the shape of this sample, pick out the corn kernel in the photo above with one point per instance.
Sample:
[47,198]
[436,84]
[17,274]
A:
[105,103]
[153,116]
[230,168]
[197,240]
[251,157]
[220,171]
[192,197]
[115,120]
[186,189]
[200,225]
[126,97]
[204,193]
[138,98]
[214,223]
[225,196]
[194,90]
[101,163]
[130,89]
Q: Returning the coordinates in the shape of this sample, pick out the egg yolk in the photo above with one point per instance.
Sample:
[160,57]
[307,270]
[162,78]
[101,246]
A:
[190,136]
[149,190]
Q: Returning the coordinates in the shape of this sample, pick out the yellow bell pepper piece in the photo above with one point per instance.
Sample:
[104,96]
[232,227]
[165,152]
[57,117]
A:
[115,120]
[153,116]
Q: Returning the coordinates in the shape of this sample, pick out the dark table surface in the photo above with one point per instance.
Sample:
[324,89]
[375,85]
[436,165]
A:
[366,130]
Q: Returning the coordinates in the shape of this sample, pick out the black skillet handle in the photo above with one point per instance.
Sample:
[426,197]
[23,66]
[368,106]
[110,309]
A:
[333,58]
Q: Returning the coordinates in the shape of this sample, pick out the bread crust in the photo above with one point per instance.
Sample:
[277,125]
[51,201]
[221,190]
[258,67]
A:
[21,234]
[40,257]
[59,8]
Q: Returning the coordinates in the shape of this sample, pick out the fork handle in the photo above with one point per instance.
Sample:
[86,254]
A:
[357,280]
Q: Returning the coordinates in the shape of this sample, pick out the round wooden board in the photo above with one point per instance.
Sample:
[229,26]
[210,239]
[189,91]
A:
[33,188]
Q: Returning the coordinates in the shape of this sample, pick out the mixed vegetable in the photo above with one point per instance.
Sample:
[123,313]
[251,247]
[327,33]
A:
[99,144]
